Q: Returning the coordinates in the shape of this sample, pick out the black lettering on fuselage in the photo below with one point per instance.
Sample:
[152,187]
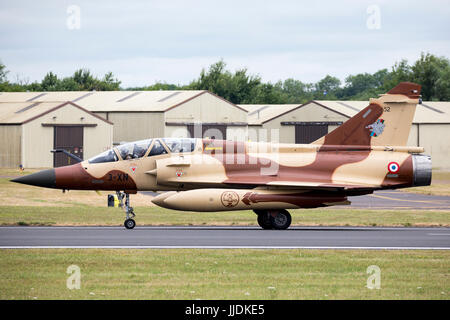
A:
[122,177]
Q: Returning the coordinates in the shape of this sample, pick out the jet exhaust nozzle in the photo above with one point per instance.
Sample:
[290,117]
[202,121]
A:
[421,170]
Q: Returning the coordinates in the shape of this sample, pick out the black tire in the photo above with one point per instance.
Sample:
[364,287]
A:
[129,223]
[264,220]
[280,220]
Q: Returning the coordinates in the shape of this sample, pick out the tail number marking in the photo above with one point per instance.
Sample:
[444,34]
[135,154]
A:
[120,177]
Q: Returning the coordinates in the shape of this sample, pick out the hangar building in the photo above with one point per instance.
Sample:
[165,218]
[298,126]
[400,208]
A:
[148,114]
[307,122]
[292,123]
[29,130]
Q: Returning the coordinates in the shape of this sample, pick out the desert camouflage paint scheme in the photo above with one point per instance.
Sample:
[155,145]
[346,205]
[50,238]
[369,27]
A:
[366,153]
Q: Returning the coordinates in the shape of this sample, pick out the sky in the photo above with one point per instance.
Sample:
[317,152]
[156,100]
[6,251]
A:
[142,42]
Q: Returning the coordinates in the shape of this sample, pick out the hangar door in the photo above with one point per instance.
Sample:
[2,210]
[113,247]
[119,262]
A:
[307,133]
[69,138]
[213,131]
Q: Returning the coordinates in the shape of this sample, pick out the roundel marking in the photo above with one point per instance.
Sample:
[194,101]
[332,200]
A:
[229,199]
[393,167]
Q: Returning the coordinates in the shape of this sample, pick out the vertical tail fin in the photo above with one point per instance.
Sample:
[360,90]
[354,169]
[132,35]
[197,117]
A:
[385,122]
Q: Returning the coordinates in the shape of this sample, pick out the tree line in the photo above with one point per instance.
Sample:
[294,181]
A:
[81,80]
[240,87]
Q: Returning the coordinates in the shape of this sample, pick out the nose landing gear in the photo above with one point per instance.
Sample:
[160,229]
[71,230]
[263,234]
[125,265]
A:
[129,222]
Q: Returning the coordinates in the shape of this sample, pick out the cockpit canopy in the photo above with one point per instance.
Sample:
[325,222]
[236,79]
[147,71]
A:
[134,150]
[176,145]
[138,149]
[107,156]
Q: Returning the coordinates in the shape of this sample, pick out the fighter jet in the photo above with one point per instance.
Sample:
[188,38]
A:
[366,153]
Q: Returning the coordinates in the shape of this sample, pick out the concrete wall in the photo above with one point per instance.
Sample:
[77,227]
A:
[206,108]
[435,139]
[37,140]
[412,139]
[332,127]
[237,133]
[10,145]
[132,126]
[310,112]
[176,131]
[104,115]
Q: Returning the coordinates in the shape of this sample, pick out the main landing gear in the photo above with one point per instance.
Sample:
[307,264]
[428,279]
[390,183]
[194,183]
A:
[274,219]
[129,222]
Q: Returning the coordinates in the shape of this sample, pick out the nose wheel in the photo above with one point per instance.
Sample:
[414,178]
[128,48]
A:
[129,213]
[129,223]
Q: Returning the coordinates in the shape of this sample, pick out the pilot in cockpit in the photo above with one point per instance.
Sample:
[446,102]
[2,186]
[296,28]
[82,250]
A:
[175,146]
[138,151]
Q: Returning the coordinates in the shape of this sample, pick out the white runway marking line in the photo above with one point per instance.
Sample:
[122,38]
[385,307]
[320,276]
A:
[438,234]
[225,247]
[292,228]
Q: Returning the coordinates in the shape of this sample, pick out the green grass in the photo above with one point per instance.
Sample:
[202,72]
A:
[440,185]
[437,189]
[223,274]
[87,215]
[16,171]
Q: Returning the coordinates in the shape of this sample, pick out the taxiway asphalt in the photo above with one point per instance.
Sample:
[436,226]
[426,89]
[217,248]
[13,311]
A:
[225,237]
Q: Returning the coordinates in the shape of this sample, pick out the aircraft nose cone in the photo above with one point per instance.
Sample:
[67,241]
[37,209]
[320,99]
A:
[44,178]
